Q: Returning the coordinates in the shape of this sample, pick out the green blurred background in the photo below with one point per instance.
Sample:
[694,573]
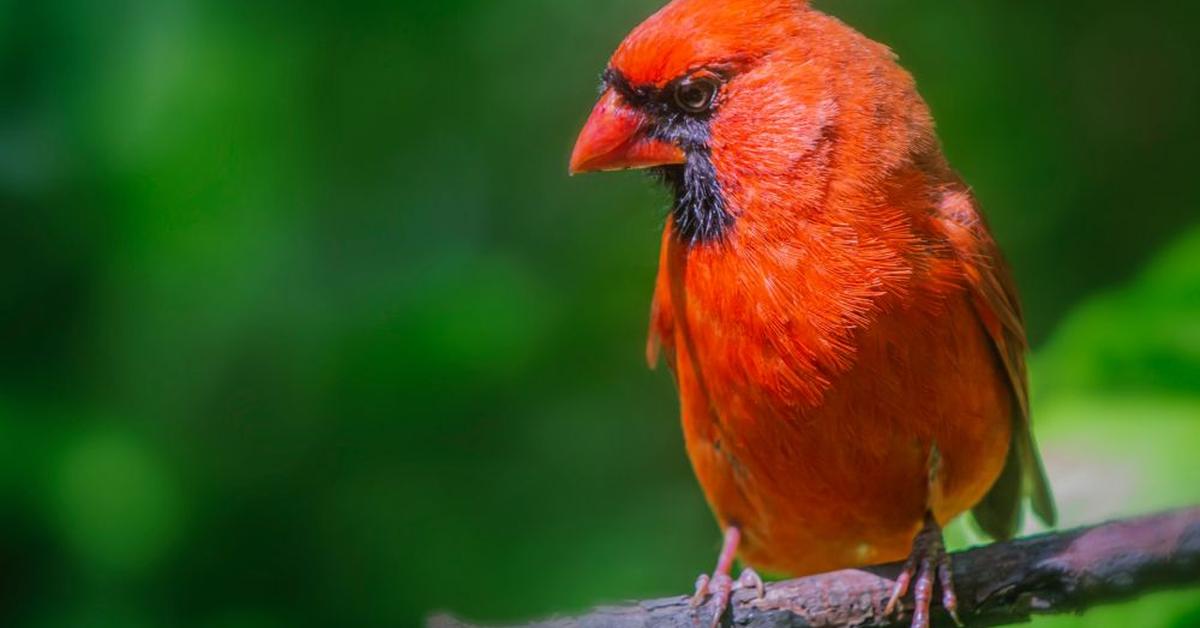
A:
[303,323]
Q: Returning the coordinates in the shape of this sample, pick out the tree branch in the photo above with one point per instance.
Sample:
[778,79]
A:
[999,584]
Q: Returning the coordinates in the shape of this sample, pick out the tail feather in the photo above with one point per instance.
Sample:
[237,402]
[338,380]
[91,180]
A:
[1036,482]
[999,513]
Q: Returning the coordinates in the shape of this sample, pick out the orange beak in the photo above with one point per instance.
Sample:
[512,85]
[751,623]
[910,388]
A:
[614,138]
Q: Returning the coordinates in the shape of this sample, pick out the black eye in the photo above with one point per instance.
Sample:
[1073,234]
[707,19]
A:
[696,94]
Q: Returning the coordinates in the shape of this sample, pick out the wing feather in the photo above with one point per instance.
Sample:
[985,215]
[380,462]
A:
[999,310]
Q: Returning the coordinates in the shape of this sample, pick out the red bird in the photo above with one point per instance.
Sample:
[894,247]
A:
[846,338]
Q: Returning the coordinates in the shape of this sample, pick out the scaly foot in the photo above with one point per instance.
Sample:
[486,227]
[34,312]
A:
[928,561]
[720,585]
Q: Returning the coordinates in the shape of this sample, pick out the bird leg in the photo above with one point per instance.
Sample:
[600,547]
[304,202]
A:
[720,585]
[928,561]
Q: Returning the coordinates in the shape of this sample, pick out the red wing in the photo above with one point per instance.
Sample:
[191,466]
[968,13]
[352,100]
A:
[995,297]
[661,340]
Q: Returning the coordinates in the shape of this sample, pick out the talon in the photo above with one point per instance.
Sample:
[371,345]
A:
[701,590]
[751,580]
[719,585]
[926,566]
[949,598]
[901,588]
[724,591]
[922,594]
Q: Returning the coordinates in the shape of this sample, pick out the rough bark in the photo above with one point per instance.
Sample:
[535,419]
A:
[1004,583]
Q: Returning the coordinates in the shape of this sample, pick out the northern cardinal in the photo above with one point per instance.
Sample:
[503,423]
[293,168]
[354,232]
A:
[846,338]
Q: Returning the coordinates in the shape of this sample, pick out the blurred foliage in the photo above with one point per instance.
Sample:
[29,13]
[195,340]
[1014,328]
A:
[1116,390]
[304,324]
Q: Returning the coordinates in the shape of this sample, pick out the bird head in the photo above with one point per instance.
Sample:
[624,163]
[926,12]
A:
[733,103]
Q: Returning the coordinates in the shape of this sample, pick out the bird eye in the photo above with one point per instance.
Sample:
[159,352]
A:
[696,94]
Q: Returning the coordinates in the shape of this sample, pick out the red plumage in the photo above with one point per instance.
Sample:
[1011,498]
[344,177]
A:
[849,350]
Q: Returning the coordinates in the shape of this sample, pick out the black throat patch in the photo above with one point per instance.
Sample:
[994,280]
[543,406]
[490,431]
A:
[699,213]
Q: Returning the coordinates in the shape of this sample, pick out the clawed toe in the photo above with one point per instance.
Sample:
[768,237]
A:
[719,585]
[721,588]
[701,593]
[751,580]
[927,564]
